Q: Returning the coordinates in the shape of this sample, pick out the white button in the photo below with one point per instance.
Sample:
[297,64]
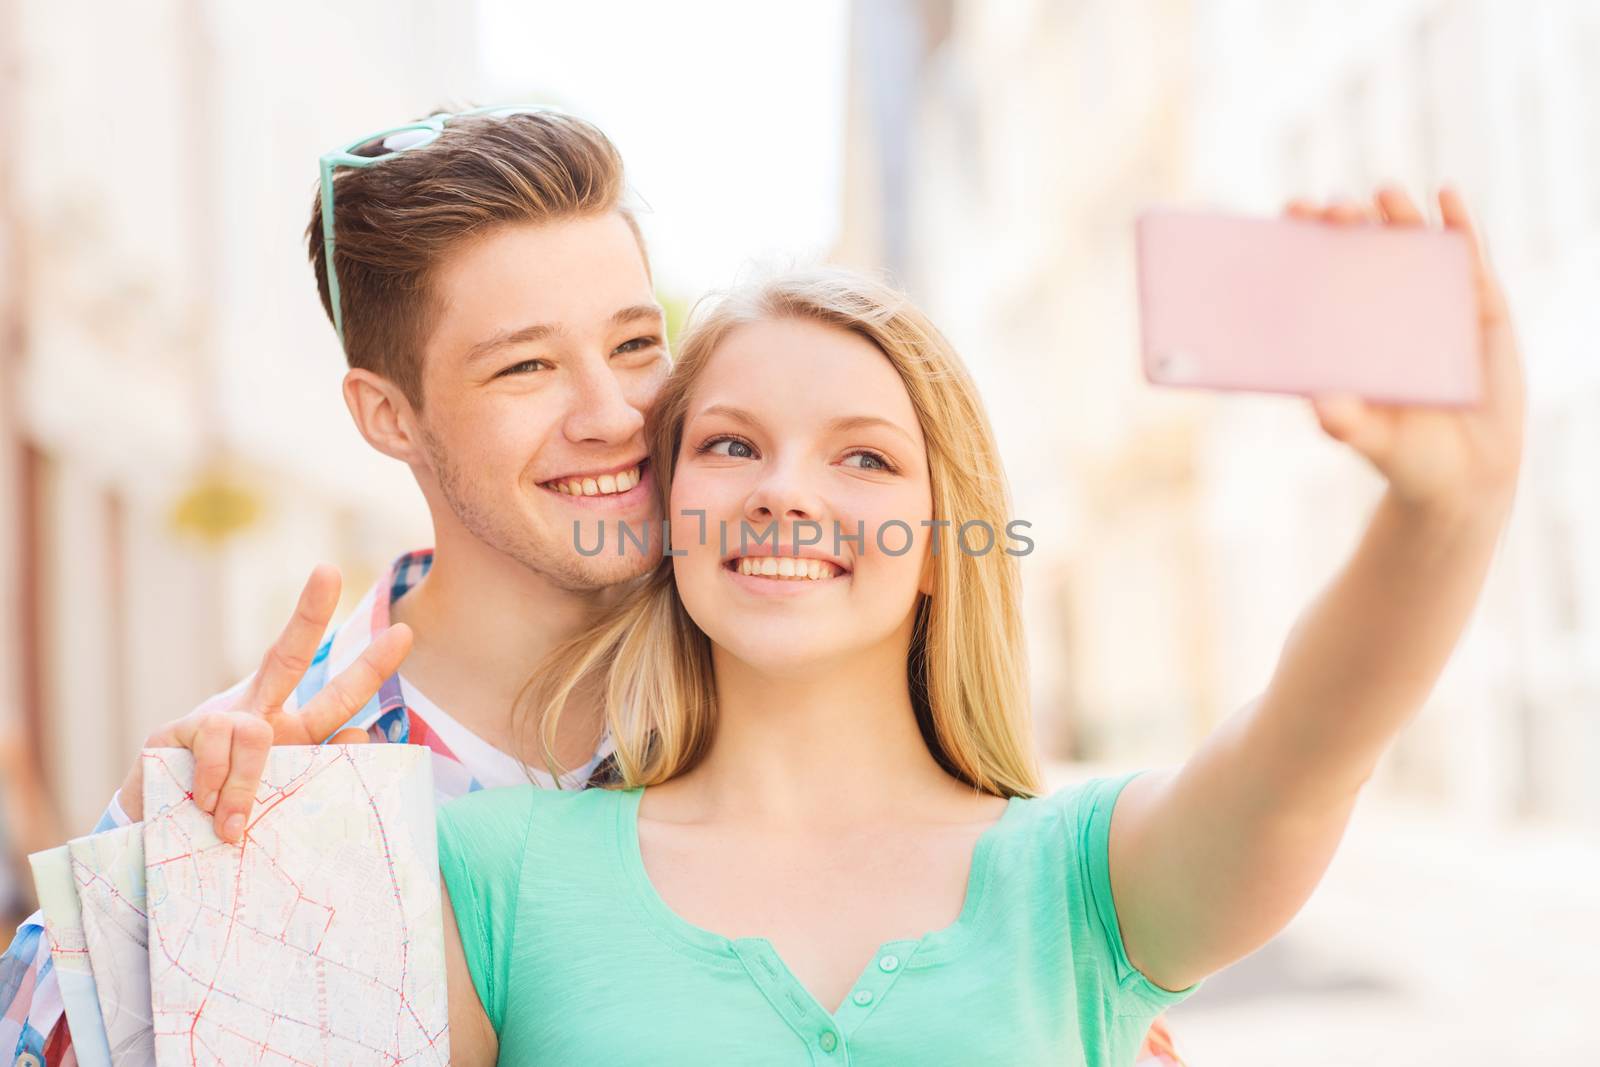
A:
[863,997]
[889,963]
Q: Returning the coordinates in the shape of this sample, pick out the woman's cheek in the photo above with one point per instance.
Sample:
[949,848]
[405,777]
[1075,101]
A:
[895,546]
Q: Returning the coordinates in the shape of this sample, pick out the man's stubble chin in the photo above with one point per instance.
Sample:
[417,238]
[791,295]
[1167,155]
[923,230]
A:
[501,525]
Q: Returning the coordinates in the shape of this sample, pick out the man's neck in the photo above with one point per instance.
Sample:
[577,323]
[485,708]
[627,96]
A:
[482,623]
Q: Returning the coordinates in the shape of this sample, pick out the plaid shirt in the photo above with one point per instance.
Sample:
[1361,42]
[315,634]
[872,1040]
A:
[34,1024]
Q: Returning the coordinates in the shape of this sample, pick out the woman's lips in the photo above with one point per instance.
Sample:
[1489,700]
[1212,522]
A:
[780,586]
[786,568]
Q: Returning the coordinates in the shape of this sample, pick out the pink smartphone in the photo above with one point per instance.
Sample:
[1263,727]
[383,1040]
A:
[1296,306]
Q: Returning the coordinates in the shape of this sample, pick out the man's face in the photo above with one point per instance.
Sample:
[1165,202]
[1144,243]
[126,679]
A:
[549,350]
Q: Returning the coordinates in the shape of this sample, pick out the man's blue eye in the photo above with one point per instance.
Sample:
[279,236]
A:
[524,366]
[638,343]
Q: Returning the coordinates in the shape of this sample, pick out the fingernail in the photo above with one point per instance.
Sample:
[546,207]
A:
[210,802]
[233,827]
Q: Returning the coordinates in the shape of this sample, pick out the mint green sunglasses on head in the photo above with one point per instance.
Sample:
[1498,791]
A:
[373,149]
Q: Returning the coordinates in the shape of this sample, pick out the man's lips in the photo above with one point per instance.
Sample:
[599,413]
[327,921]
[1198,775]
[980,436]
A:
[614,481]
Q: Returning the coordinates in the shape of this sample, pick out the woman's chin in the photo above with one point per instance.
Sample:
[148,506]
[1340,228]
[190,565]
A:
[778,650]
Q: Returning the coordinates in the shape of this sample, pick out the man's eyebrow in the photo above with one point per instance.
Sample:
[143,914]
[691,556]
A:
[638,311]
[539,331]
[843,424]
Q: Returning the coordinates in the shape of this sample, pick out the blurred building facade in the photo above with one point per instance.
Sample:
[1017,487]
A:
[998,155]
[171,415]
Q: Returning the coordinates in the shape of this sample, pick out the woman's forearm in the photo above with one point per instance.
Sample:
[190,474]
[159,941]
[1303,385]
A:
[1365,654]
[1248,825]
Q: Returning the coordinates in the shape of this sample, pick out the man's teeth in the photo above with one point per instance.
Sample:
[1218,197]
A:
[605,485]
[787,567]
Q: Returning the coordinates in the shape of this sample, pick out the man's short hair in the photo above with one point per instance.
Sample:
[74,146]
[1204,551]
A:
[394,222]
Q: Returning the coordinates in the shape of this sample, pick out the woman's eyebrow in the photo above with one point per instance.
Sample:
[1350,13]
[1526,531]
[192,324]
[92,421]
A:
[726,411]
[847,423]
[843,424]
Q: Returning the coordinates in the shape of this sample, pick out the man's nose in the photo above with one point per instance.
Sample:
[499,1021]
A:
[601,408]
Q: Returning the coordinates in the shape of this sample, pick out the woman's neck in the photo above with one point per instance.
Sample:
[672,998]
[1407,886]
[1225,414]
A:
[818,746]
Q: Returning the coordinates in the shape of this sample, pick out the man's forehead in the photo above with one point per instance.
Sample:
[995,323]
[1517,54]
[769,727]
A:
[571,276]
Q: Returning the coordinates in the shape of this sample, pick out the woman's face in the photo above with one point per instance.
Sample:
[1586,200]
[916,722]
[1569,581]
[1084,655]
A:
[805,429]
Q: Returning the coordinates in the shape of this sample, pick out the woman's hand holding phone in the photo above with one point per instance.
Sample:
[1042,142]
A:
[1437,458]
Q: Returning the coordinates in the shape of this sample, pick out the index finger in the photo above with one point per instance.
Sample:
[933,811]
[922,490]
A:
[290,656]
[1454,212]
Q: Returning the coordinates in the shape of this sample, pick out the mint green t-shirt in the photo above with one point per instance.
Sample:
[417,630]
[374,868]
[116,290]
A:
[577,959]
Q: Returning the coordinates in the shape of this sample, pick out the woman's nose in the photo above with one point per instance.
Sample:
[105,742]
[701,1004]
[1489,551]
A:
[783,494]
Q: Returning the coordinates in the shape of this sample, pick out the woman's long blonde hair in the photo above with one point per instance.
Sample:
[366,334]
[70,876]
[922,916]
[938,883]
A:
[967,667]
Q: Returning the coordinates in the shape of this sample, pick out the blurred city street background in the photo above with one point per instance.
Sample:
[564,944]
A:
[175,454]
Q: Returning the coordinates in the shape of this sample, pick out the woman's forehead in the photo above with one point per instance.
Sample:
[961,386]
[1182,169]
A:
[801,368]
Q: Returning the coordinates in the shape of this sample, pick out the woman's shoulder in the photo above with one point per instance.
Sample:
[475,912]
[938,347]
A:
[500,809]
[1069,816]
[486,836]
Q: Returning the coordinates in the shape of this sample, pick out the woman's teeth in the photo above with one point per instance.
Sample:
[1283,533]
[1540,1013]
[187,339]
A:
[605,485]
[787,567]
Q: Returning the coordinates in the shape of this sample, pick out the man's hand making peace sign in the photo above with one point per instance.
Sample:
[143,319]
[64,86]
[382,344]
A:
[230,747]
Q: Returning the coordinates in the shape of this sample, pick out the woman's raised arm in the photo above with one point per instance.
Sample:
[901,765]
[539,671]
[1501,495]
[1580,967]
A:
[1212,859]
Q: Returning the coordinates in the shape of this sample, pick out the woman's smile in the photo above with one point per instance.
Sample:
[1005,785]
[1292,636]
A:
[783,574]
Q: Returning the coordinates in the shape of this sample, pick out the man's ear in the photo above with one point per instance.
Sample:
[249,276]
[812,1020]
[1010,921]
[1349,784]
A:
[383,414]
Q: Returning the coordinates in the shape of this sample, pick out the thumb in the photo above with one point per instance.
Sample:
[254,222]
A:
[1340,416]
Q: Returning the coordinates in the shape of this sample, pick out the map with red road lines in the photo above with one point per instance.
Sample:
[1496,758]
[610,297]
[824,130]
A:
[108,869]
[318,940]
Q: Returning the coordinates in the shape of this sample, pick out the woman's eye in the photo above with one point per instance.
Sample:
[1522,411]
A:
[524,367]
[870,461]
[731,447]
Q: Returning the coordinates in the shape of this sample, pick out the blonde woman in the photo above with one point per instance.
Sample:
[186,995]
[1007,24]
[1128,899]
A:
[828,842]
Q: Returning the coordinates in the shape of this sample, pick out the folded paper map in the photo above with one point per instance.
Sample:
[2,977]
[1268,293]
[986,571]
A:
[318,939]
[108,870]
[63,923]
